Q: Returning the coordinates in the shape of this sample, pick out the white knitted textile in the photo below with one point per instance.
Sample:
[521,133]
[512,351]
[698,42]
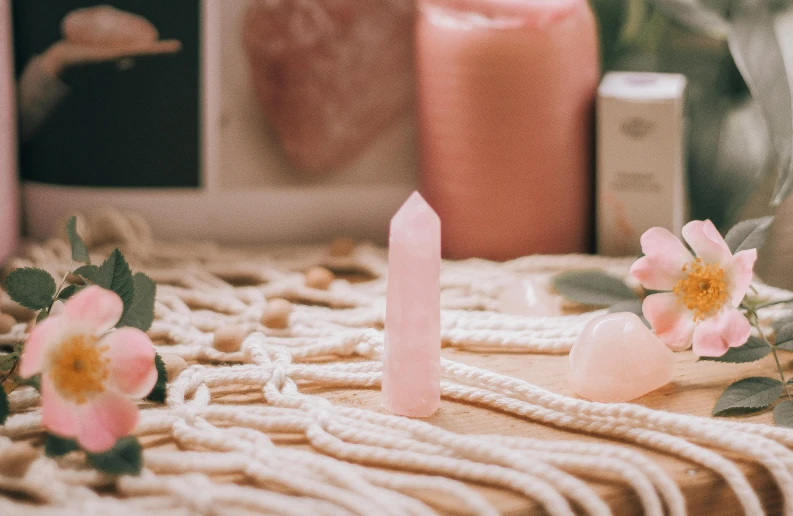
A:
[230,458]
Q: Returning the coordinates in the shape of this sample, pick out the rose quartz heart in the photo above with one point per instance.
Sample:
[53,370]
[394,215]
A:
[616,358]
[106,25]
[330,75]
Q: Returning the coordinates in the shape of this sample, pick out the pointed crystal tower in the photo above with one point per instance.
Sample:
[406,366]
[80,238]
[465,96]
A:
[412,355]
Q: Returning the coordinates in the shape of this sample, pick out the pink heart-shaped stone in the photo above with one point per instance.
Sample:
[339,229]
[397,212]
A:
[330,74]
[616,358]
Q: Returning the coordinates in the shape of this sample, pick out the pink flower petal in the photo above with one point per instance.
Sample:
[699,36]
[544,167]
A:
[44,334]
[739,274]
[660,242]
[657,272]
[94,310]
[131,354]
[673,324]
[713,336]
[706,241]
[104,419]
[59,416]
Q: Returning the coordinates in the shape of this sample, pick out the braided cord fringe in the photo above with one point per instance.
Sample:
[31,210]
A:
[233,458]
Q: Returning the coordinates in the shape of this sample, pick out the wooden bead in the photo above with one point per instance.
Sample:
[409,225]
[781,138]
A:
[16,459]
[6,323]
[174,365]
[228,339]
[319,278]
[17,311]
[276,313]
[342,246]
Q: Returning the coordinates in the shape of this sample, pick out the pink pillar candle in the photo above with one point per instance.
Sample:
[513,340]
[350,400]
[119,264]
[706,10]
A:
[506,95]
[412,354]
[9,206]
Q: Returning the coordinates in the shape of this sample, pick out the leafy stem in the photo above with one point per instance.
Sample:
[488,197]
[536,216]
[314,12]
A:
[772,303]
[755,322]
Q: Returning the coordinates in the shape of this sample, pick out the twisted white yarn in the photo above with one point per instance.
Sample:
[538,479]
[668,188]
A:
[232,457]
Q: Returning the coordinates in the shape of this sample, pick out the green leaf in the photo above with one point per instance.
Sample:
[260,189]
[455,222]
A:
[784,337]
[756,49]
[30,287]
[59,446]
[783,414]
[43,314]
[755,392]
[748,234]
[140,313]
[157,394]
[124,458]
[8,361]
[752,351]
[79,249]
[33,381]
[69,291]
[3,405]
[594,288]
[114,274]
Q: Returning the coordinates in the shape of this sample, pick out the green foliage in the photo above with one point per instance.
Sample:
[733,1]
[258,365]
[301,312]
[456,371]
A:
[749,394]
[784,337]
[124,458]
[754,350]
[157,394]
[783,414]
[593,287]
[79,249]
[59,446]
[140,312]
[69,291]
[30,287]
[748,234]
[114,274]
[3,406]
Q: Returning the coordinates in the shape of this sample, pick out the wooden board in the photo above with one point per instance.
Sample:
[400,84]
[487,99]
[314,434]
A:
[694,391]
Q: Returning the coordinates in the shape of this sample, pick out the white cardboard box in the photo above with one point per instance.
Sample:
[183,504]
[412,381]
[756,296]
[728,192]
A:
[641,180]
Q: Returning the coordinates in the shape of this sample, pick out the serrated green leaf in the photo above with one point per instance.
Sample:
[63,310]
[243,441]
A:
[593,287]
[114,274]
[79,249]
[157,394]
[748,234]
[754,350]
[140,313]
[69,291]
[124,458]
[30,287]
[8,361]
[3,405]
[784,337]
[756,392]
[783,414]
[59,446]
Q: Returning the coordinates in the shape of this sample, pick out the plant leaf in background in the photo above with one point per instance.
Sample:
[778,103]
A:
[59,446]
[748,234]
[749,394]
[594,288]
[79,249]
[609,14]
[784,337]
[30,287]
[758,55]
[694,15]
[124,458]
[158,393]
[754,350]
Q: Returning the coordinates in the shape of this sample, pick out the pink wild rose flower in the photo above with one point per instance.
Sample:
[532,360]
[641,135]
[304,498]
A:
[703,291]
[89,374]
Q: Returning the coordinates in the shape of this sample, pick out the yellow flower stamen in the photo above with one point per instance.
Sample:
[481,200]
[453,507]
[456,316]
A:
[79,368]
[703,290]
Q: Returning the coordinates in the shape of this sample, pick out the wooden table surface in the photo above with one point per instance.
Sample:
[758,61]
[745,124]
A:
[694,391]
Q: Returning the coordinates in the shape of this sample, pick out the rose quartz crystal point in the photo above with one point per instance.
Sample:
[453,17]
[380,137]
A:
[330,75]
[616,358]
[412,354]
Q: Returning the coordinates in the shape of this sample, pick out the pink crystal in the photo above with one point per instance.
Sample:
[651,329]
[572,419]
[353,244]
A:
[529,297]
[616,358]
[412,355]
[330,75]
